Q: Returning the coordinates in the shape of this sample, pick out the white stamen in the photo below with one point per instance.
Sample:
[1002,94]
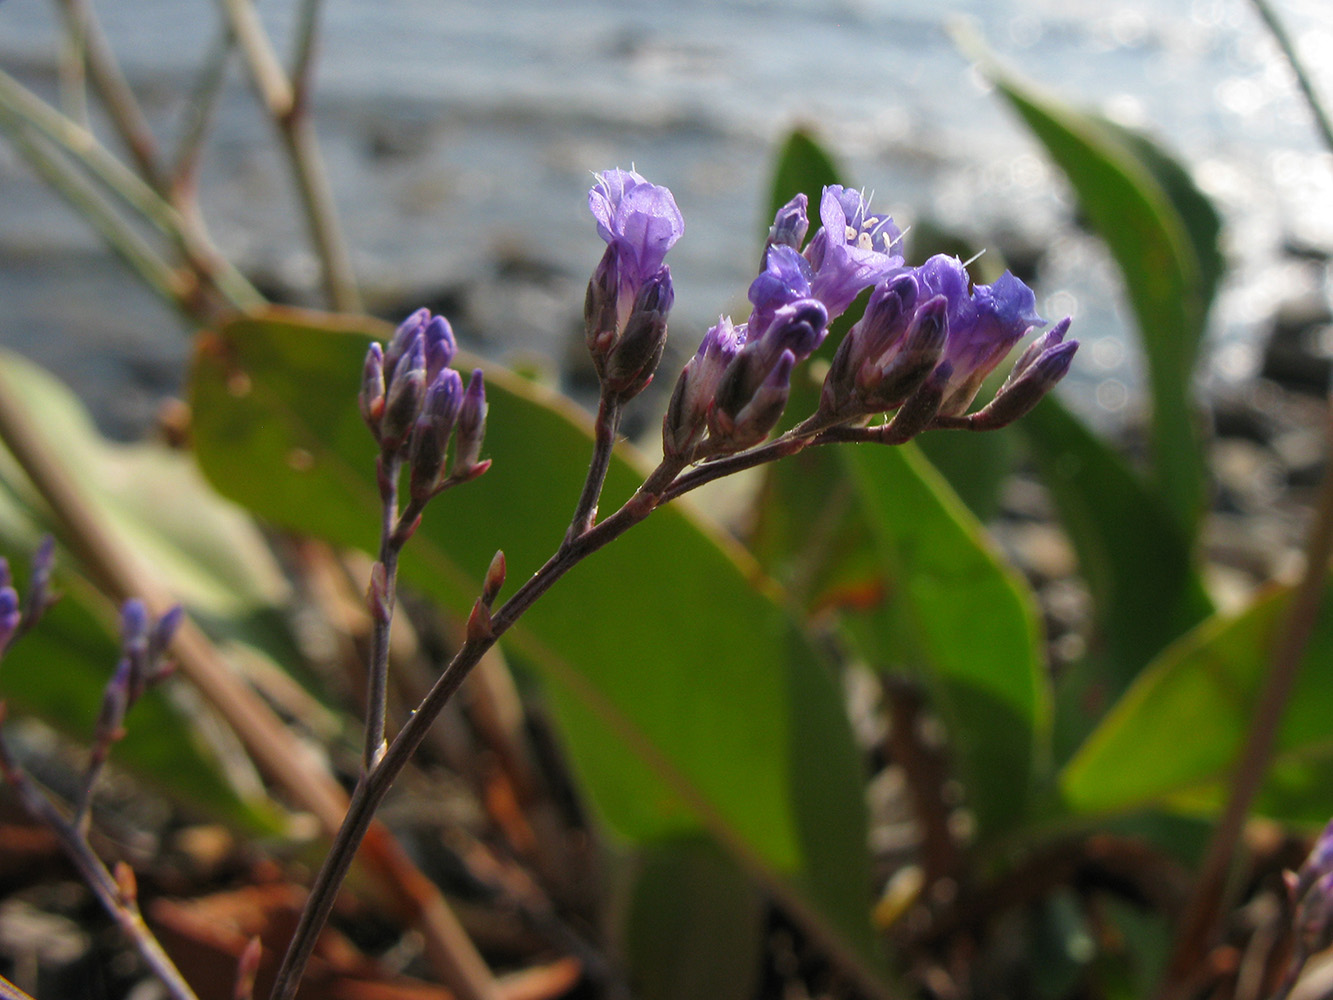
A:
[863,242]
[971,260]
[850,234]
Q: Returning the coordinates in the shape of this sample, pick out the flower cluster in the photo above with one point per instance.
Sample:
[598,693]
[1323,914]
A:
[414,404]
[923,347]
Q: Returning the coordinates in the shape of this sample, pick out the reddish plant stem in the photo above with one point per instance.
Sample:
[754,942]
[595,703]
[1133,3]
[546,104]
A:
[1203,916]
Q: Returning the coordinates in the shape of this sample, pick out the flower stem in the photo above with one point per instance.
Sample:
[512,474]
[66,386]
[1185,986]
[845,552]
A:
[121,906]
[375,782]
[609,410]
[1203,913]
[292,120]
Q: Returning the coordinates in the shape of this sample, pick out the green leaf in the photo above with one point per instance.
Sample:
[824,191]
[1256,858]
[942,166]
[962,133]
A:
[1133,554]
[1163,235]
[1206,686]
[156,500]
[803,166]
[694,926]
[966,620]
[686,696]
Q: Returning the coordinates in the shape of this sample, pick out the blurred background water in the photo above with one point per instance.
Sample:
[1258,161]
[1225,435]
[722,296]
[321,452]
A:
[461,139]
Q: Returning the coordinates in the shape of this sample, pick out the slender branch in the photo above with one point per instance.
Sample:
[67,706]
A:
[76,190]
[21,105]
[375,784]
[1203,914]
[119,903]
[280,755]
[293,122]
[71,71]
[1321,116]
[126,115]
[303,61]
[605,428]
[770,451]
[199,109]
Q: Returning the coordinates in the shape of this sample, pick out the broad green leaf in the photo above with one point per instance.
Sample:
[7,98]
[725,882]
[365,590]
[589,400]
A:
[1150,217]
[208,552]
[964,620]
[57,672]
[687,698]
[1133,554]
[1205,686]
[694,926]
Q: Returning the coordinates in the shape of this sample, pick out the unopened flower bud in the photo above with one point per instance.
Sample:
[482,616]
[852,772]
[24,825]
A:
[441,346]
[1019,395]
[495,578]
[371,397]
[134,644]
[116,700]
[916,414]
[1055,335]
[159,639]
[685,422]
[471,431]
[126,884]
[885,383]
[601,309]
[39,596]
[791,223]
[799,327]
[401,341]
[635,357]
[10,616]
[406,390]
[429,443]
[762,413]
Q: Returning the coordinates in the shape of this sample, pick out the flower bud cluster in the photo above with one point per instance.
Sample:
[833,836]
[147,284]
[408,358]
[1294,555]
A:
[17,616]
[630,293]
[143,663]
[926,342]
[416,405]
[1311,894]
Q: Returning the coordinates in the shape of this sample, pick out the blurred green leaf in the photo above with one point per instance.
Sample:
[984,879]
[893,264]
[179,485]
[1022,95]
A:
[1163,235]
[1175,735]
[694,926]
[208,552]
[803,166]
[965,620]
[687,698]
[1133,554]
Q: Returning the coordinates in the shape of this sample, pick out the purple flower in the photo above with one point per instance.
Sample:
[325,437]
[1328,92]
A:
[630,290]
[852,251]
[640,223]
[791,223]
[983,325]
[684,424]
